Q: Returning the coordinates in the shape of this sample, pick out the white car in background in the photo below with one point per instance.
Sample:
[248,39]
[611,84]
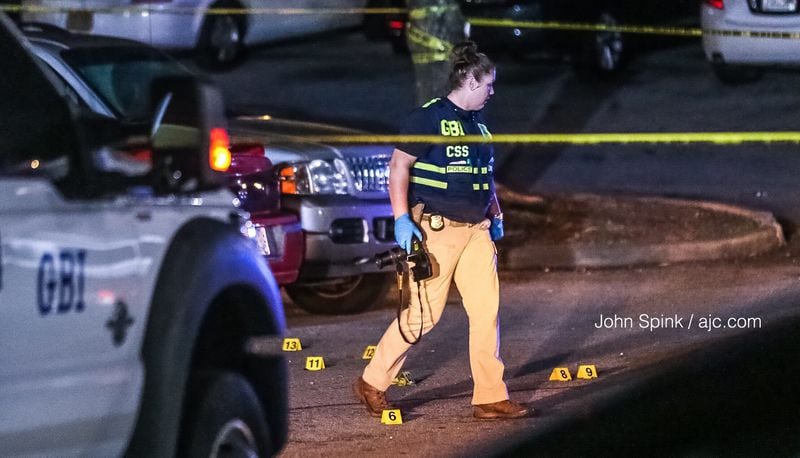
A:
[740,37]
[219,30]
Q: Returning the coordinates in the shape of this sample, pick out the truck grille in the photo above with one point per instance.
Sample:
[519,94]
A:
[349,230]
[370,173]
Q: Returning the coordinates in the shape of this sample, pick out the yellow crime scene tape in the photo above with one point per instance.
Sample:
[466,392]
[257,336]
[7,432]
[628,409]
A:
[718,138]
[587,27]
[635,29]
[439,49]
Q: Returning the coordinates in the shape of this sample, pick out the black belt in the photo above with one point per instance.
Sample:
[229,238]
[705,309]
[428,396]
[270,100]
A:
[448,221]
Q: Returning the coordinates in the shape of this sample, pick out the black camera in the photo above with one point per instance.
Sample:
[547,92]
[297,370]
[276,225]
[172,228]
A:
[418,258]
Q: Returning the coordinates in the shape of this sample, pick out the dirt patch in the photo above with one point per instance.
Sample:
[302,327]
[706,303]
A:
[567,231]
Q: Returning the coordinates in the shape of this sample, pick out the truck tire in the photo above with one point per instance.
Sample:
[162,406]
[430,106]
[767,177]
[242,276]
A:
[223,417]
[346,295]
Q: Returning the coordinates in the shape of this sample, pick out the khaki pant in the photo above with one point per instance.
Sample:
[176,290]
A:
[466,254]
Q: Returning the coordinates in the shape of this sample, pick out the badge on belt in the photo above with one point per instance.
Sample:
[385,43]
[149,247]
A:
[437,223]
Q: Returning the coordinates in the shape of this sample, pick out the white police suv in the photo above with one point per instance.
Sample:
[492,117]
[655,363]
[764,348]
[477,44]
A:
[128,295]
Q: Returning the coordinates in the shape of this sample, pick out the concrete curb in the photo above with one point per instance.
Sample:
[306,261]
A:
[767,236]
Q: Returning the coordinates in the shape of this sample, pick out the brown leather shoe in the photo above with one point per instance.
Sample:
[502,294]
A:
[502,409]
[373,398]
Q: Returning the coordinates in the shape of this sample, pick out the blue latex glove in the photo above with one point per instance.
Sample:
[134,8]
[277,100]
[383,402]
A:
[496,229]
[404,229]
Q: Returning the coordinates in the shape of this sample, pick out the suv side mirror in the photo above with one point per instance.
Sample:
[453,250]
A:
[189,140]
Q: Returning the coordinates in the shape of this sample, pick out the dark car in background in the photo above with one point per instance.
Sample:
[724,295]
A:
[598,52]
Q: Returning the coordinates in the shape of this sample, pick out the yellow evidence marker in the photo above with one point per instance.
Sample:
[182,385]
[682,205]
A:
[391,417]
[292,344]
[587,371]
[560,374]
[369,352]
[315,363]
[403,379]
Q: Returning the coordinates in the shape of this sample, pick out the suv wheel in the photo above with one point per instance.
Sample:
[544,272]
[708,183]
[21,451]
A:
[736,74]
[343,295]
[223,417]
[602,53]
[221,42]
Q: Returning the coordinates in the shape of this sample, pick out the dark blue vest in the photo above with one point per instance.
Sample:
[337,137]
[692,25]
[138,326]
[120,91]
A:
[454,179]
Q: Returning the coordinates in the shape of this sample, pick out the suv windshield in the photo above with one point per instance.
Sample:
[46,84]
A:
[122,76]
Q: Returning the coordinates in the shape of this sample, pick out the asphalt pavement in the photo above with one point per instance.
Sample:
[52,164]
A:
[556,319]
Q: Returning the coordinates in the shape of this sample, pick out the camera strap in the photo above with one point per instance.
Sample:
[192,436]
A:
[404,284]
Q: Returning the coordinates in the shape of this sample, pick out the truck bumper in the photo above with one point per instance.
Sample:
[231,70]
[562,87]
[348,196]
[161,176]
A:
[340,231]
[282,243]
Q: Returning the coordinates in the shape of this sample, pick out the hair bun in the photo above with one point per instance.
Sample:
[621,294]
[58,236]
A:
[465,50]
[466,61]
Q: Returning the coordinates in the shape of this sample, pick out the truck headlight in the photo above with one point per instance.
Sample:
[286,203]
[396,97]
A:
[314,177]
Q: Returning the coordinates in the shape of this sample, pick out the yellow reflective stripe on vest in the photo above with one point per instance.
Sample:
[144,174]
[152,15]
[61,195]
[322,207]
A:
[429,182]
[431,102]
[429,167]
[477,187]
[459,169]
[483,170]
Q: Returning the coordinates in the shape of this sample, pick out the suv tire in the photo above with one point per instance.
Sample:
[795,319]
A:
[736,74]
[223,417]
[601,54]
[221,45]
[346,295]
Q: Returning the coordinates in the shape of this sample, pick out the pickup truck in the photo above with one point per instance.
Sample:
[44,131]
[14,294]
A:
[277,232]
[132,306]
[341,195]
